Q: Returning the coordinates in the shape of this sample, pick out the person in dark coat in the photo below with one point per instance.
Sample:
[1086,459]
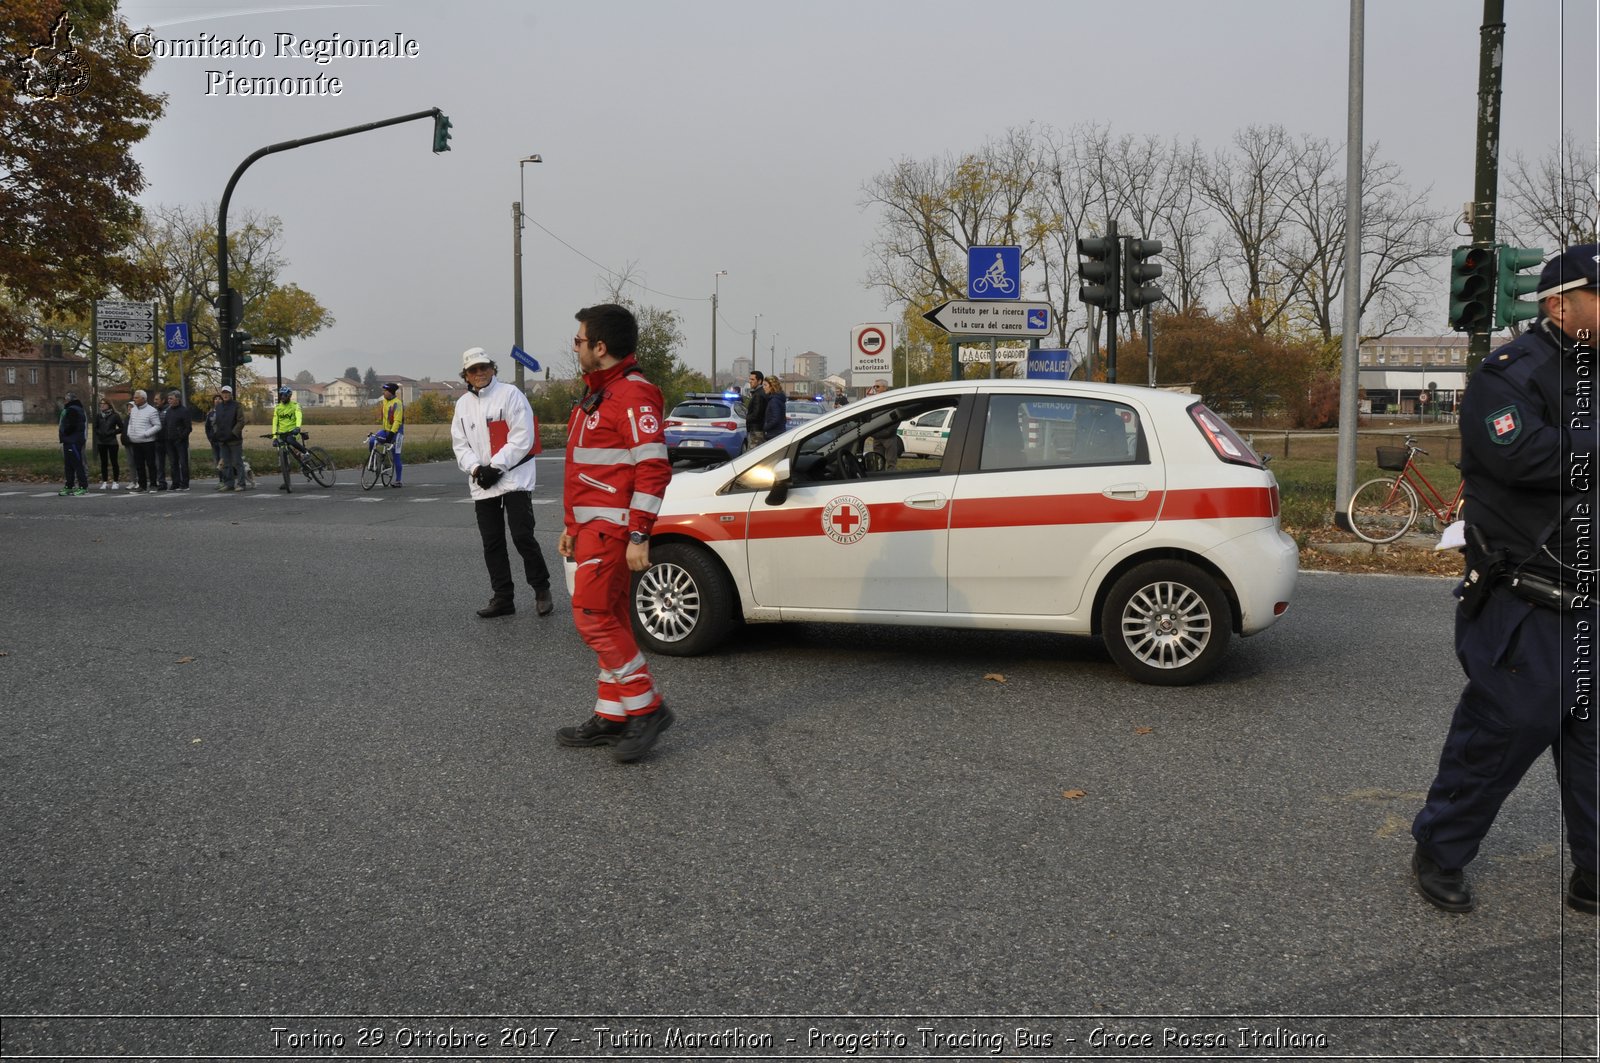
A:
[73,431]
[775,420]
[175,430]
[108,444]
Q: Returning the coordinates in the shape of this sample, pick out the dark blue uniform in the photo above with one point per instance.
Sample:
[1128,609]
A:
[1528,446]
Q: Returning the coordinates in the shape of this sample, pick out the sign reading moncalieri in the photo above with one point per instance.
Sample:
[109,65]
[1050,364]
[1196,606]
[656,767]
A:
[116,321]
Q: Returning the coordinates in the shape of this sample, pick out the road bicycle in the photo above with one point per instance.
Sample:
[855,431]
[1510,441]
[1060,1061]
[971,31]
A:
[379,467]
[314,462]
[1382,510]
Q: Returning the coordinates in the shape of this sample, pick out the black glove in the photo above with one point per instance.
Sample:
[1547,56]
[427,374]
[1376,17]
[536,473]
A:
[487,476]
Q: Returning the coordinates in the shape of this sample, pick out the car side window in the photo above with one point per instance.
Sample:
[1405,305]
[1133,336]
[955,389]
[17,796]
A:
[867,445]
[1033,431]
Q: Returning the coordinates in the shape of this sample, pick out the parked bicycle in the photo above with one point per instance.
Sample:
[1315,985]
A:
[314,462]
[379,467]
[1382,510]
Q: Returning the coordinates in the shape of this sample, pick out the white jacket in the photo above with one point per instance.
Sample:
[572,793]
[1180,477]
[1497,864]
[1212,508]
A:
[144,424]
[502,405]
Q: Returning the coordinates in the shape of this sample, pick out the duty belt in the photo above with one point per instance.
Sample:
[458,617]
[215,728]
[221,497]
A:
[1543,592]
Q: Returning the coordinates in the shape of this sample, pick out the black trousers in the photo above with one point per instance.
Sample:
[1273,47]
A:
[175,454]
[513,509]
[145,464]
[109,459]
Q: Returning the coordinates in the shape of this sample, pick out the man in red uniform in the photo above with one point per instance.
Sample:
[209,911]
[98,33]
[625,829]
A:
[617,469]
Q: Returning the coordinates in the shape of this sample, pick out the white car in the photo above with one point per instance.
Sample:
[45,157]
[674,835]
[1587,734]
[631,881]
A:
[927,435]
[1124,512]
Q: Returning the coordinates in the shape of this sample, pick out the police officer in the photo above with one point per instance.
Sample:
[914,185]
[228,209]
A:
[1526,624]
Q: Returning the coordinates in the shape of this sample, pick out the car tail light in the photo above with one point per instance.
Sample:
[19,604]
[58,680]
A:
[1225,442]
[726,426]
[670,423]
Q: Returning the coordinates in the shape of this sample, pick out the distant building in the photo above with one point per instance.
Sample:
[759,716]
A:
[407,387]
[741,369]
[811,365]
[1413,374]
[32,382]
[310,396]
[346,391]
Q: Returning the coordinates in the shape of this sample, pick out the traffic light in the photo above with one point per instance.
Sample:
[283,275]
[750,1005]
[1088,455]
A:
[1508,307]
[1472,288]
[241,341]
[441,133]
[1100,267]
[1137,273]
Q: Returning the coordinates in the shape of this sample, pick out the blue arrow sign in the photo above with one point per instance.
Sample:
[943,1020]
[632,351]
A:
[1051,364]
[994,273]
[178,336]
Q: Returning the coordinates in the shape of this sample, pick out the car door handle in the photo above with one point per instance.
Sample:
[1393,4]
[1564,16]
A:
[1127,492]
[934,501]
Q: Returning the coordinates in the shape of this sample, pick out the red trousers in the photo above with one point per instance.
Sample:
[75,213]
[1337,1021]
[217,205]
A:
[600,613]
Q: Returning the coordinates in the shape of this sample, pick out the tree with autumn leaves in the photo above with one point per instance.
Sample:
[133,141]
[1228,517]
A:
[71,109]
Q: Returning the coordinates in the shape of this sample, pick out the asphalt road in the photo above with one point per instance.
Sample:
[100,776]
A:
[258,758]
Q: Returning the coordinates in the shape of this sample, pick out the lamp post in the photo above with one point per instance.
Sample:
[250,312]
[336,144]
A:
[773,364]
[516,241]
[753,326]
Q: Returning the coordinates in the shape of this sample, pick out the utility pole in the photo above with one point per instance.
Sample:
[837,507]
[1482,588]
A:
[1486,169]
[1344,475]
[516,284]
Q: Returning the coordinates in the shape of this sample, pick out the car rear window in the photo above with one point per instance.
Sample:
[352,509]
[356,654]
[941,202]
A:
[707,411]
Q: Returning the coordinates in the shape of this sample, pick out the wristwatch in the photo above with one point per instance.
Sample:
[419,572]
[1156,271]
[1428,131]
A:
[637,537]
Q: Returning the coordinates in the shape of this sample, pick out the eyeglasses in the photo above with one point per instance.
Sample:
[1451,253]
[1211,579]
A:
[479,367]
[579,341]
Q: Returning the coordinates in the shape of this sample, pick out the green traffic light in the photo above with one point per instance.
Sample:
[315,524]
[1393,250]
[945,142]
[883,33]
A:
[1508,307]
[441,133]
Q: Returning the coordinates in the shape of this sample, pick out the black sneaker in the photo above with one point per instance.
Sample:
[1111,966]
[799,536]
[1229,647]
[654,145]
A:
[498,607]
[542,604]
[597,730]
[1441,888]
[640,734]
[1581,892]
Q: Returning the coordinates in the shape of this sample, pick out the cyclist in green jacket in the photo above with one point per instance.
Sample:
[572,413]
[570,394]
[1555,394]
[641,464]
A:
[286,430]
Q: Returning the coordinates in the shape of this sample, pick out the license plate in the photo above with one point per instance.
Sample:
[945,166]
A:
[694,443]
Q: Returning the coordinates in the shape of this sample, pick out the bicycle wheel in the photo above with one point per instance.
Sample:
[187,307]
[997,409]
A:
[370,471]
[319,466]
[1382,510]
[386,473]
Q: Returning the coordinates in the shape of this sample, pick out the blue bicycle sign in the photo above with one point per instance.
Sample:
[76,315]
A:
[994,273]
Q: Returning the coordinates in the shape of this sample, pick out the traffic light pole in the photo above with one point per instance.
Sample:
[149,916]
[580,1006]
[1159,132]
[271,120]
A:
[1486,170]
[225,309]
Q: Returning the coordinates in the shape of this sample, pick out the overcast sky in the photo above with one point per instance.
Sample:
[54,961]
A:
[683,137]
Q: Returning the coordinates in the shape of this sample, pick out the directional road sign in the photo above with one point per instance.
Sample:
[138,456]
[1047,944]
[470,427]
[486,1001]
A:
[177,336]
[964,318]
[994,272]
[1051,364]
[116,321]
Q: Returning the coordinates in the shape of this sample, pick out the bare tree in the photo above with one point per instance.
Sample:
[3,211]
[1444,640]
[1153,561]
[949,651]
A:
[1250,189]
[1553,200]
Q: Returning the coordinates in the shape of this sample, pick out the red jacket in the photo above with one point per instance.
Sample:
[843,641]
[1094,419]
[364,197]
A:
[617,464]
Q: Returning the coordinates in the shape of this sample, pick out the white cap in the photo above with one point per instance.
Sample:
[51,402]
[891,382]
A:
[228,389]
[474,356]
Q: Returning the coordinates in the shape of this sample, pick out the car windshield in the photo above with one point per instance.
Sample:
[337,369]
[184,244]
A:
[806,407]
[702,411]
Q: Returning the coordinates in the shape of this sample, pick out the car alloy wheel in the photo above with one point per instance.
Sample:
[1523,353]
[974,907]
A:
[1166,623]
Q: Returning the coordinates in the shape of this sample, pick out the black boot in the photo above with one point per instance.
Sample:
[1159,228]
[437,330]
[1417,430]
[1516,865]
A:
[1442,889]
[498,607]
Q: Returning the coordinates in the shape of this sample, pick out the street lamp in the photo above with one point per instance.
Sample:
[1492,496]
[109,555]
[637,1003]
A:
[773,364]
[516,240]
[753,326]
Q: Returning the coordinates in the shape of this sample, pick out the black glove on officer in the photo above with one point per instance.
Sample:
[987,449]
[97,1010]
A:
[486,476]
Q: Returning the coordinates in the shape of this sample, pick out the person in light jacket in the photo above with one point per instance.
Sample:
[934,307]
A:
[144,428]
[493,437]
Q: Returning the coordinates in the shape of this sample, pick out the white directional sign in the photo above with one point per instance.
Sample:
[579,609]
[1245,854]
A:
[965,318]
[116,321]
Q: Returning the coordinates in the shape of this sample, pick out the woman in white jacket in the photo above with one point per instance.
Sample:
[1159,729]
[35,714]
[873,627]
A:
[493,435]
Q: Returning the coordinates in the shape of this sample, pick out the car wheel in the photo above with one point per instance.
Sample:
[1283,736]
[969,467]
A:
[683,603]
[1166,623]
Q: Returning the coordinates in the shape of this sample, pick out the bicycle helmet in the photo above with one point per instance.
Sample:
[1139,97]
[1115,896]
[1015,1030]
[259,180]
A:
[285,392]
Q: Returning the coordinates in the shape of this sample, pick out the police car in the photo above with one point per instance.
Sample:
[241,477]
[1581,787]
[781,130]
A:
[1129,513]
[705,428]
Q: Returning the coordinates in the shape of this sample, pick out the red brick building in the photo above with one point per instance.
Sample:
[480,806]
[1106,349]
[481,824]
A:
[33,382]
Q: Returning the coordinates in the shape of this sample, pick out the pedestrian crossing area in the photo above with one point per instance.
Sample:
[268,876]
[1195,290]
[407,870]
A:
[338,493]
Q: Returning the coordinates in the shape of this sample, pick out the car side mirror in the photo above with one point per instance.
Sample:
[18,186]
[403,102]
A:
[781,476]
